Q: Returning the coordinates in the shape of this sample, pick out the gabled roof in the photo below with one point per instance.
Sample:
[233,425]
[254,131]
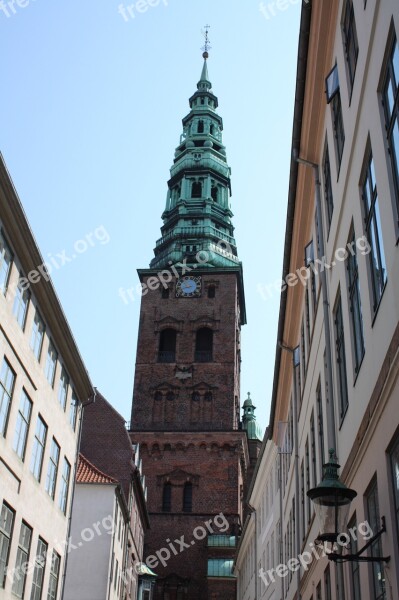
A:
[88,473]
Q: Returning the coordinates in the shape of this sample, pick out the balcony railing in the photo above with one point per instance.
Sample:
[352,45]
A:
[203,356]
[166,356]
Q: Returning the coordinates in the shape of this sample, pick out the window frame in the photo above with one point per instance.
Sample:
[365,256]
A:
[51,352]
[350,42]
[5,534]
[39,570]
[34,335]
[21,299]
[38,448]
[355,304]
[22,558]
[6,393]
[65,486]
[23,422]
[5,250]
[52,468]
[340,359]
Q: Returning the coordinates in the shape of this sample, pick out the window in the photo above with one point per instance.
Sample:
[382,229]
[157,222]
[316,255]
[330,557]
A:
[51,363]
[19,579]
[66,472]
[7,379]
[372,220]
[328,195]
[52,470]
[22,426]
[220,567]
[73,410]
[165,293]
[334,98]
[21,303]
[5,263]
[394,461]
[307,465]
[211,291]
[204,345]
[354,566]
[222,540]
[391,110]
[38,573]
[54,575]
[167,346]
[36,340]
[355,305]
[39,444]
[188,497]
[6,526]
[350,41]
[373,517]
[327,584]
[167,497]
[313,449]
[320,428]
[200,127]
[318,591]
[303,515]
[214,193]
[196,189]
[341,359]
[63,389]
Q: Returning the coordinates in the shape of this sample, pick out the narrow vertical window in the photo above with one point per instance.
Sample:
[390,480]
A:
[64,491]
[320,428]
[73,410]
[307,465]
[313,449]
[328,194]
[196,189]
[303,511]
[334,98]
[327,584]
[63,389]
[373,517]
[21,303]
[51,363]
[355,305]
[391,109]
[372,219]
[38,573]
[22,426]
[7,379]
[167,346]
[39,444]
[19,575]
[188,497]
[6,526]
[341,359]
[52,470]
[167,497]
[36,340]
[54,576]
[5,263]
[394,463]
[351,44]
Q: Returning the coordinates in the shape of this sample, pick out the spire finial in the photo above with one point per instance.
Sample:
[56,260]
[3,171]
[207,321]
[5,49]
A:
[207,45]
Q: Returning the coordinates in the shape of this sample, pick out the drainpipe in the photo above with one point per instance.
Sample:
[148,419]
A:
[83,406]
[331,435]
[253,512]
[296,466]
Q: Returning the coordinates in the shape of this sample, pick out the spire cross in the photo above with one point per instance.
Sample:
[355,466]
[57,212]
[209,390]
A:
[207,45]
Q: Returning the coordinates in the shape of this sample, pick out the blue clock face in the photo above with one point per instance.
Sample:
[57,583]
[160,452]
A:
[188,287]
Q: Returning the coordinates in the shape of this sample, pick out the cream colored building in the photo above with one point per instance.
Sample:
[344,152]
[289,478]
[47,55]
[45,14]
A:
[43,385]
[337,361]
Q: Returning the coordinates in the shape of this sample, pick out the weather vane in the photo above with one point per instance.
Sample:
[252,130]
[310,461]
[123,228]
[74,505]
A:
[205,33]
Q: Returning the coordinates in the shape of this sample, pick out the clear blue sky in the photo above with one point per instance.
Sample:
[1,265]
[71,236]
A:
[91,111]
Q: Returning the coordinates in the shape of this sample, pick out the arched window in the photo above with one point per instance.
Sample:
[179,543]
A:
[212,130]
[165,292]
[200,127]
[196,189]
[188,497]
[195,396]
[204,345]
[167,346]
[170,396]
[167,497]
[208,397]
[214,193]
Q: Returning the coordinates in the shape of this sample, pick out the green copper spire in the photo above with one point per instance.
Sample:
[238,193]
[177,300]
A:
[197,216]
[253,429]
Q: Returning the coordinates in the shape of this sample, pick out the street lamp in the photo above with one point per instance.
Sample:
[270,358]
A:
[332,500]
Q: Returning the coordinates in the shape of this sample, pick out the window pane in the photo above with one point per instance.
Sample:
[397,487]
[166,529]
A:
[36,341]
[6,526]
[52,469]
[5,263]
[63,389]
[73,411]
[22,426]
[21,302]
[39,443]
[394,457]
[19,576]
[7,378]
[51,363]
[373,516]
[54,575]
[64,486]
[38,573]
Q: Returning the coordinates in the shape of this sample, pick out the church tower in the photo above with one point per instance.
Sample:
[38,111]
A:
[186,409]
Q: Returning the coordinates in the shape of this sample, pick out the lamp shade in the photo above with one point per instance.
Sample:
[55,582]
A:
[332,500]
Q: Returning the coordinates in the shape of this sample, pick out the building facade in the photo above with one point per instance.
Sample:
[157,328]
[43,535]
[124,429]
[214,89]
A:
[43,386]
[337,361]
[186,407]
[110,511]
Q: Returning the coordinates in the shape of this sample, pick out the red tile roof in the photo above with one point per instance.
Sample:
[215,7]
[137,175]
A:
[88,473]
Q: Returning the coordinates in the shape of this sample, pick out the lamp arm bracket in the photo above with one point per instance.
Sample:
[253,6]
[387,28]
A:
[357,557]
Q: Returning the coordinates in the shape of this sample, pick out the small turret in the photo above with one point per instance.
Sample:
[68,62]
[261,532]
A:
[249,423]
